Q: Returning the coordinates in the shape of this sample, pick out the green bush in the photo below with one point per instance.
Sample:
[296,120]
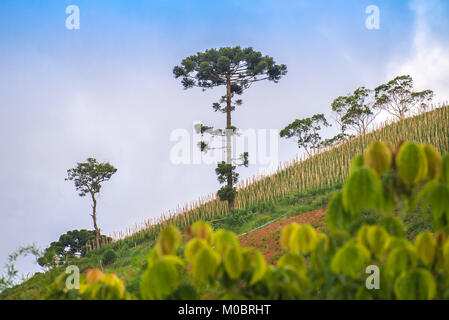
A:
[109,257]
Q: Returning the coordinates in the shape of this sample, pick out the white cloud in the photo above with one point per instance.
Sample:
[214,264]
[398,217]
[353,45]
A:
[428,63]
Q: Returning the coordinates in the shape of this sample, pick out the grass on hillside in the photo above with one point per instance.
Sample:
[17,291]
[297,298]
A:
[326,169]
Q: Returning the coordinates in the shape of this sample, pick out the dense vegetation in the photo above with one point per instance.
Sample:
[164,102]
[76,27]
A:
[267,199]
[299,186]
[354,260]
[70,244]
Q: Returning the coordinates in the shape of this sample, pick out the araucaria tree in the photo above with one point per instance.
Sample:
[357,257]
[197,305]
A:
[398,97]
[235,69]
[88,177]
[306,131]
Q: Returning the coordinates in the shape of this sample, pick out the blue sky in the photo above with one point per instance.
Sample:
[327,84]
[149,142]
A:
[106,90]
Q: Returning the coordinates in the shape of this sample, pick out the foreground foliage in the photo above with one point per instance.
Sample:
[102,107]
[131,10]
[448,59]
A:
[342,264]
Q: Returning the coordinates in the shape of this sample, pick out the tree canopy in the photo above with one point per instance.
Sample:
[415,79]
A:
[355,111]
[216,67]
[70,243]
[398,97]
[306,131]
[88,176]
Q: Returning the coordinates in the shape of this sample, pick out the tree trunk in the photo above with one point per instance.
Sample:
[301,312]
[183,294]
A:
[94,218]
[402,111]
[229,137]
[305,149]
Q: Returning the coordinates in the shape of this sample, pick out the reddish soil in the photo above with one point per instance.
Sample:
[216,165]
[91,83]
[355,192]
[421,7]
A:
[267,238]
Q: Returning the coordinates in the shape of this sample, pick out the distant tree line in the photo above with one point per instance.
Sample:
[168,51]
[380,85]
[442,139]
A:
[356,112]
[71,244]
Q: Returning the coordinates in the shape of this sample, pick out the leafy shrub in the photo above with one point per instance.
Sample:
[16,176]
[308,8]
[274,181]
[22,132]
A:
[109,257]
[241,217]
[289,200]
[265,207]
[366,231]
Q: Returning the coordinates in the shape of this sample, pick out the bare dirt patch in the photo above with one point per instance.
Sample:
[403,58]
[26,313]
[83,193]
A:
[266,239]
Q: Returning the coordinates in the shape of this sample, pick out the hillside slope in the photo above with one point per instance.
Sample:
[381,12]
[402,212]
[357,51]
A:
[291,194]
[326,169]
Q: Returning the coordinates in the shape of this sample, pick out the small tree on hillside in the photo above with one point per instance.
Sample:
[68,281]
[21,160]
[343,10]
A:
[306,131]
[398,97]
[340,107]
[88,177]
[360,114]
[236,69]
[355,111]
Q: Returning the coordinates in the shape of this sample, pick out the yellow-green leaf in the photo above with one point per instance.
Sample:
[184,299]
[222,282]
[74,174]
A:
[192,248]
[425,247]
[169,240]
[286,233]
[294,262]
[202,230]
[302,239]
[361,191]
[336,216]
[350,260]
[411,163]
[416,284]
[159,280]
[223,239]
[260,267]
[434,162]
[205,264]
[378,157]
[233,262]
[401,258]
